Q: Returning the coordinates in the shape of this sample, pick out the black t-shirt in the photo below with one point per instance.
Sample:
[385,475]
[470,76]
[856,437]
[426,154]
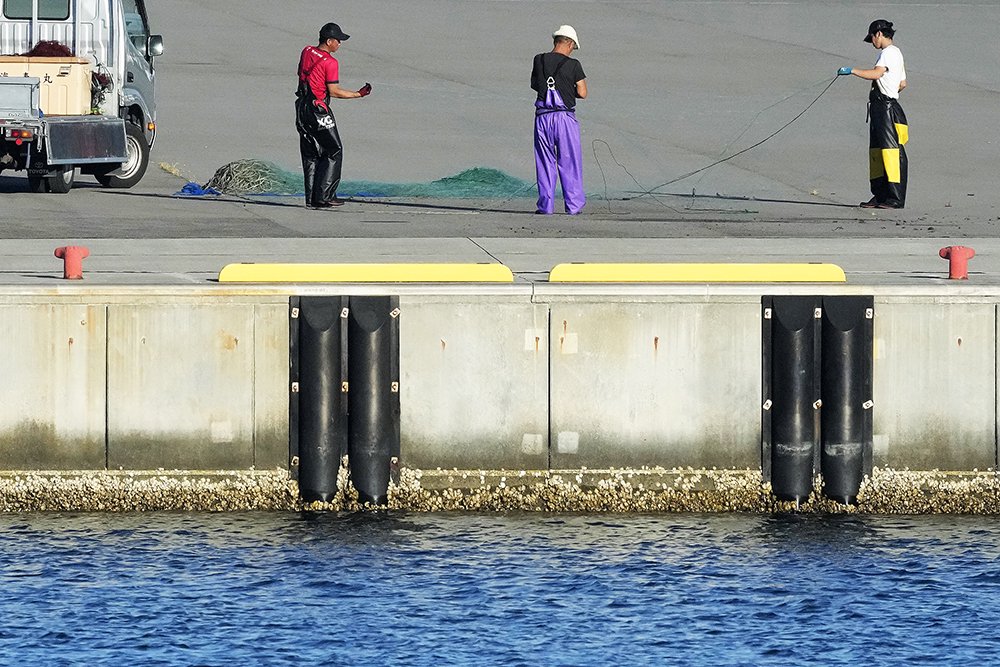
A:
[567,76]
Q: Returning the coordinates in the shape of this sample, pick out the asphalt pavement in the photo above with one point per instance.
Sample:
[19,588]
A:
[674,87]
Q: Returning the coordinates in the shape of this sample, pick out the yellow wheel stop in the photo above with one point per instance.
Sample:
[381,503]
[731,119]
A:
[697,273]
[365,273]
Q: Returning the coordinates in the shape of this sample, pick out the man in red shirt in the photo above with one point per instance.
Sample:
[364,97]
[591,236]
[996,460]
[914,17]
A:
[319,141]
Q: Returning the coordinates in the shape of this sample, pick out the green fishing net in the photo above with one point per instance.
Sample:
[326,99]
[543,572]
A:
[259,177]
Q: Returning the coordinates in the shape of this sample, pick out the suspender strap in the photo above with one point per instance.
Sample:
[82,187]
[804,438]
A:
[305,90]
[556,70]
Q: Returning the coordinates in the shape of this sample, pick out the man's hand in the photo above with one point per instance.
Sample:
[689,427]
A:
[321,105]
[844,71]
[365,90]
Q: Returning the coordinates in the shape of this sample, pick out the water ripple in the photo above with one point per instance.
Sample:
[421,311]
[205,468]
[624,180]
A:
[518,589]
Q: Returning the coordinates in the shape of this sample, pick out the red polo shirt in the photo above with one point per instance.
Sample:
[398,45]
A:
[318,68]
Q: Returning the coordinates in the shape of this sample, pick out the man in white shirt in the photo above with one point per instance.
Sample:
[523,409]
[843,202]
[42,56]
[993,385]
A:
[888,131]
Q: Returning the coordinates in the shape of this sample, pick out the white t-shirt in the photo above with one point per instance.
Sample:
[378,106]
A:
[891,58]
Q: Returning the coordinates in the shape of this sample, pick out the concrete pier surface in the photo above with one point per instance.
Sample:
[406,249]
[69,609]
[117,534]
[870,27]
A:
[674,86]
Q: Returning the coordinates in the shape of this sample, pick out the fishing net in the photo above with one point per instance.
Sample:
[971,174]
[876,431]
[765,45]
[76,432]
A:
[254,177]
[50,49]
[259,177]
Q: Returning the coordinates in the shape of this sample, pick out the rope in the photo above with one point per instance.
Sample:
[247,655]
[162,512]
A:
[652,192]
[244,176]
[757,115]
[518,193]
[593,146]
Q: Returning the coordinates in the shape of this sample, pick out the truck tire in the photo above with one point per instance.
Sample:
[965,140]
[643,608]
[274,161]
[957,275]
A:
[134,167]
[37,184]
[62,182]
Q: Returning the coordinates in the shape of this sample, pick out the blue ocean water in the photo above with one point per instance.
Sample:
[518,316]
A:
[517,589]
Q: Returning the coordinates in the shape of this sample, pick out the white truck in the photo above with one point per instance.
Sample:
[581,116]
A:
[95,111]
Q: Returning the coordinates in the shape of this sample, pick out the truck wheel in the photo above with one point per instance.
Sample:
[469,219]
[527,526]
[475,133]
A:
[37,184]
[62,182]
[136,161]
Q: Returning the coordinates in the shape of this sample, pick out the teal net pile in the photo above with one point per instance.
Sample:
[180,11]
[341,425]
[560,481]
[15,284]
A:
[259,177]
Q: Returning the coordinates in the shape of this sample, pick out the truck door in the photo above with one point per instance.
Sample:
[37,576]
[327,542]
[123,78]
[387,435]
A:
[139,73]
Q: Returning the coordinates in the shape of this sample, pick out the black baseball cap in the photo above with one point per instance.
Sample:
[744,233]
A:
[332,31]
[879,25]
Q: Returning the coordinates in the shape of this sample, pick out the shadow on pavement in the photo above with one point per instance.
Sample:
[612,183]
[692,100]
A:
[260,201]
[16,184]
[688,195]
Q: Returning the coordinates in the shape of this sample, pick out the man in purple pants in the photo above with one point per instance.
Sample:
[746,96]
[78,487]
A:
[559,80]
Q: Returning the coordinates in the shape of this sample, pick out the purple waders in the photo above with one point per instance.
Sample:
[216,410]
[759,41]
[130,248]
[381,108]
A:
[557,152]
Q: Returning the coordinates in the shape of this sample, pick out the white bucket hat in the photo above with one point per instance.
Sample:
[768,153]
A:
[567,31]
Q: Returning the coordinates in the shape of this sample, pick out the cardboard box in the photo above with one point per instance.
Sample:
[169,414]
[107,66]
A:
[65,82]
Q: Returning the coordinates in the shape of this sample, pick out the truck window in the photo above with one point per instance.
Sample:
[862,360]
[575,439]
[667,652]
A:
[135,24]
[48,10]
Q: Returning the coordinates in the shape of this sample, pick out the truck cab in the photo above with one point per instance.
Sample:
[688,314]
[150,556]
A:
[114,38]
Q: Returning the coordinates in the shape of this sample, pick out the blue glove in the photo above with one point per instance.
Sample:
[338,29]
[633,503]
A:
[843,71]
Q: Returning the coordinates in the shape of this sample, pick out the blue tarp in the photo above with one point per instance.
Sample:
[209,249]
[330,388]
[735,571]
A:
[195,190]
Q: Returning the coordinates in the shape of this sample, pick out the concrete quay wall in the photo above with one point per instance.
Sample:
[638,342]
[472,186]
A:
[516,377]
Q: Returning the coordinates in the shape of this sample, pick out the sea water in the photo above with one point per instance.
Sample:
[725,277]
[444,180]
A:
[498,589]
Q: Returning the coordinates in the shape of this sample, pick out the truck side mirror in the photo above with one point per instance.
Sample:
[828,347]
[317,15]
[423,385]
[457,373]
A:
[154,47]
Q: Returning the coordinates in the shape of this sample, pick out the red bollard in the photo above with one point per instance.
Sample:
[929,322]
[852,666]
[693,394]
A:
[958,257]
[72,256]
